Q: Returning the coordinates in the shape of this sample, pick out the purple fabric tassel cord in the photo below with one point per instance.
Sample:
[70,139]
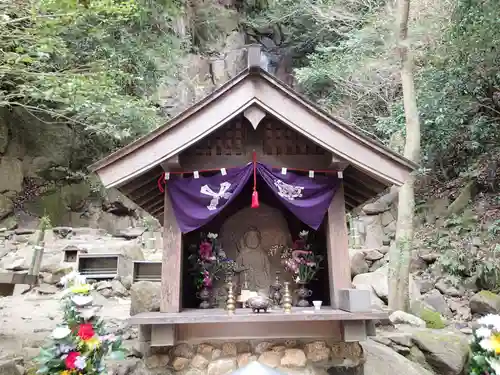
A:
[196,201]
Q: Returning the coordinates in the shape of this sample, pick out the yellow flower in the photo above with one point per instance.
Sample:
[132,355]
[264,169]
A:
[93,343]
[495,343]
[491,344]
[65,372]
[80,289]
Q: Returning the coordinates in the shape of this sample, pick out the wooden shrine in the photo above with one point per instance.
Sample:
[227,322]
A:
[254,112]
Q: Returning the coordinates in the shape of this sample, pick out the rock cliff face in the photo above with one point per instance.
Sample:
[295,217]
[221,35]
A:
[37,164]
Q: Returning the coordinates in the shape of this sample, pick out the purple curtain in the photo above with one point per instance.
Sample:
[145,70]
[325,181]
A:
[308,198]
[196,201]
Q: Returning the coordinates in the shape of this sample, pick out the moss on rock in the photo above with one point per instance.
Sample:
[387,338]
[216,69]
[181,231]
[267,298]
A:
[432,319]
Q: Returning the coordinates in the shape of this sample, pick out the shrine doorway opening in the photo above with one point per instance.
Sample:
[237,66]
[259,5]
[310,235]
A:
[278,227]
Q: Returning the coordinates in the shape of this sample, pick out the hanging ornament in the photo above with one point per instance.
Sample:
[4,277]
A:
[255,194]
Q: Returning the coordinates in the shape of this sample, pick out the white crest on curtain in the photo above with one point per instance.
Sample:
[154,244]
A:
[217,196]
[287,191]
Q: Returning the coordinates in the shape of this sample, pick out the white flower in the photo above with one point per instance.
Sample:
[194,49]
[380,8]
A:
[64,348]
[80,362]
[487,345]
[73,279]
[490,320]
[303,233]
[212,235]
[495,364]
[60,333]
[483,332]
[82,301]
[297,279]
[110,338]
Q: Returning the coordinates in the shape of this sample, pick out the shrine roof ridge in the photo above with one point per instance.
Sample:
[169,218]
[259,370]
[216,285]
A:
[334,121]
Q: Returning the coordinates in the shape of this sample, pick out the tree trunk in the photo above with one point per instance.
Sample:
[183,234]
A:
[400,253]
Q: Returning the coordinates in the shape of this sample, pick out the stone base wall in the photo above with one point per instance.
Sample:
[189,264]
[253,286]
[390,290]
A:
[294,357]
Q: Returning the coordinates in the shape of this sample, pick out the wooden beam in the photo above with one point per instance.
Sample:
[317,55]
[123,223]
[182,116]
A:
[154,196]
[153,206]
[171,270]
[145,179]
[338,246]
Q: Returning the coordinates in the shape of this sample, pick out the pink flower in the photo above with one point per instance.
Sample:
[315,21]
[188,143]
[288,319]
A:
[205,250]
[291,265]
[207,281]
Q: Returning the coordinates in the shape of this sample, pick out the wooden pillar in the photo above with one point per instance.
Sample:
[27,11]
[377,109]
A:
[171,268]
[338,246]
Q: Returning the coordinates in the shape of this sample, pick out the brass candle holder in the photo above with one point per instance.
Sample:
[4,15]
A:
[287,298]
[231,302]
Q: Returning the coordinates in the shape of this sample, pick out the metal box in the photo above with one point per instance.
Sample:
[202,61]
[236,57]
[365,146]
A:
[103,266]
[147,271]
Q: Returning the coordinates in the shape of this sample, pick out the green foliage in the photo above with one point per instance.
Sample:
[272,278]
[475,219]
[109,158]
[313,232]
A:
[432,319]
[96,64]
[460,257]
[299,27]
[346,60]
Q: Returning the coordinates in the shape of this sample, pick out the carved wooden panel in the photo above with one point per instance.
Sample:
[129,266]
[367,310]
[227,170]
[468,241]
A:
[279,139]
[229,140]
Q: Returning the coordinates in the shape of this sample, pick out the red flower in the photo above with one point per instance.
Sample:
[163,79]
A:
[205,250]
[86,331]
[70,360]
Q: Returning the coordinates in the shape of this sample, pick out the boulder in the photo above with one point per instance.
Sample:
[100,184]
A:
[401,317]
[375,208]
[381,360]
[378,281]
[446,352]
[374,233]
[485,302]
[222,366]
[373,255]
[436,300]
[4,132]
[145,297]
[6,207]
[358,263]
[425,285]
[11,174]
[447,289]
[9,368]
[118,289]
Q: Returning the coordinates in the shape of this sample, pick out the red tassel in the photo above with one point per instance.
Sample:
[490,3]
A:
[255,199]
[255,195]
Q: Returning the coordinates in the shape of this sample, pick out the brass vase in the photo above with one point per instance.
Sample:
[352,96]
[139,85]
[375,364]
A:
[303,293]
[205,294]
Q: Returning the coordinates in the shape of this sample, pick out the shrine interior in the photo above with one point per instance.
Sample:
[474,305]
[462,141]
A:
[319,286]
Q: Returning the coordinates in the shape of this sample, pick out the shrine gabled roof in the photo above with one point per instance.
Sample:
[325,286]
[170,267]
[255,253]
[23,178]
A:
[254,87]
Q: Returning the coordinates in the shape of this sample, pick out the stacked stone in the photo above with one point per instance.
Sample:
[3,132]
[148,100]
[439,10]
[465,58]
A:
[289,357]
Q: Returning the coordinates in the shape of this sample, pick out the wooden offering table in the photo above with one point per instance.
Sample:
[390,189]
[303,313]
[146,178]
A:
[196,325]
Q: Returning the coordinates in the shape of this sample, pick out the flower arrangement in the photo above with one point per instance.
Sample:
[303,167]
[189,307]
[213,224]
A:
[485,347]
[300,259]
[208,261]
[80,344]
